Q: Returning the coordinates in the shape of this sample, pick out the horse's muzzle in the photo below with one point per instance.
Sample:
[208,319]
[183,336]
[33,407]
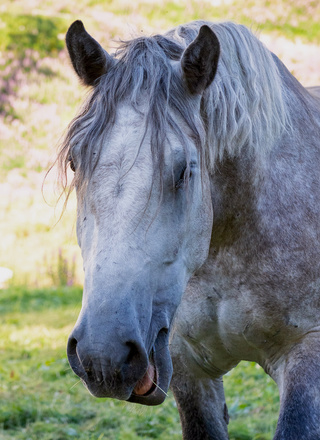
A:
[123,371]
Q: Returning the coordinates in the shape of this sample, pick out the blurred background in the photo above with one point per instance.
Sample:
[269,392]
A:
[40,263]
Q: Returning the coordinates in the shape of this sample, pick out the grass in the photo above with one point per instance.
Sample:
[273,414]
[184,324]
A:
[40,249]
[42,399]
[20,32]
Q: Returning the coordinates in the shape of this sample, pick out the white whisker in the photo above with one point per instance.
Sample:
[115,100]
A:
[75,384]
[154,383]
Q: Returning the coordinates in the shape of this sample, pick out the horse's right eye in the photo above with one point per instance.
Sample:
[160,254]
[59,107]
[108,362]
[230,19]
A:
[72,166]
[71,163]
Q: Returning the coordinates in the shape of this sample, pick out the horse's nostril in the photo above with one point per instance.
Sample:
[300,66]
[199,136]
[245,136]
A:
[72,348]
[72,344]
[73,357]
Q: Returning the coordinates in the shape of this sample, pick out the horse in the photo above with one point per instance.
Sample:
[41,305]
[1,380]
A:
[196,160]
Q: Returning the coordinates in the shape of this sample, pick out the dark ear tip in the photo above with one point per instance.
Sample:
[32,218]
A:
[88,58]
[200,60]
[76,26]
[206,31]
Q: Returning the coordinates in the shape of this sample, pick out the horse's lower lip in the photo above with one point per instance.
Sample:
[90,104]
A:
[161,361]
[148,383]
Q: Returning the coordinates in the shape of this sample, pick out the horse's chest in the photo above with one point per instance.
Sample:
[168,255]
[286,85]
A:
[242,315]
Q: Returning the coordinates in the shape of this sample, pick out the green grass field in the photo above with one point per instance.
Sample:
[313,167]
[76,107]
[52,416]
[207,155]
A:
[40,397]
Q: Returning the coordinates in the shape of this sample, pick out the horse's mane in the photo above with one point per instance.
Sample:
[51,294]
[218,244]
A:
[245,107]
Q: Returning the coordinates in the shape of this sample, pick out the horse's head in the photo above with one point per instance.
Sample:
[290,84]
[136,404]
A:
[144,209]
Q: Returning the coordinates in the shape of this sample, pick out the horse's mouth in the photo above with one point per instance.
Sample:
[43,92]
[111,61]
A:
[146,386]
[152,388]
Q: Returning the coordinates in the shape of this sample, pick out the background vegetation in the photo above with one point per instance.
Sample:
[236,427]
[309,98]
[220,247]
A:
[40,398]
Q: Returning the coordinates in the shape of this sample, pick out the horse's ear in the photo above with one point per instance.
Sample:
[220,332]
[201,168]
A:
[88,58]
[200,60]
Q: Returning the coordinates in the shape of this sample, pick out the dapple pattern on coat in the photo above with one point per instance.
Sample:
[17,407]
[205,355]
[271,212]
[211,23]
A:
[196,160]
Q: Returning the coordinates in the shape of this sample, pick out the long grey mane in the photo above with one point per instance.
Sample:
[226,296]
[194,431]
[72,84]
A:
[245,107]
[246,104]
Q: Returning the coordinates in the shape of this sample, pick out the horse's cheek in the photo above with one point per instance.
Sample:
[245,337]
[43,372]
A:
[200,233]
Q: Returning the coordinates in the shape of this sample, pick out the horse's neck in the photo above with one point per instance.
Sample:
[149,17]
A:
[232,191]
[303,99]
[244,186]
[259,199]
[315,92]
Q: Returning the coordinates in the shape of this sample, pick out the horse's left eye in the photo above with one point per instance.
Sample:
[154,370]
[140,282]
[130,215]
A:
[183,178]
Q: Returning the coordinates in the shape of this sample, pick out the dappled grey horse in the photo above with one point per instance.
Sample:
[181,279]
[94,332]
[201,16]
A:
[197,172]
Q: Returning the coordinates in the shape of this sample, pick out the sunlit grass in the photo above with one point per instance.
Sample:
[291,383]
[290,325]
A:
[19,32]
[34,240]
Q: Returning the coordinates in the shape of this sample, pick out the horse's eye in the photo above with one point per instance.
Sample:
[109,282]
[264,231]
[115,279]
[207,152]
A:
[71,163]
[183,178]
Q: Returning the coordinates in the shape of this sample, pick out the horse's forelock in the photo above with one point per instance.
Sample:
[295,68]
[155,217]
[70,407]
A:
[143,68]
